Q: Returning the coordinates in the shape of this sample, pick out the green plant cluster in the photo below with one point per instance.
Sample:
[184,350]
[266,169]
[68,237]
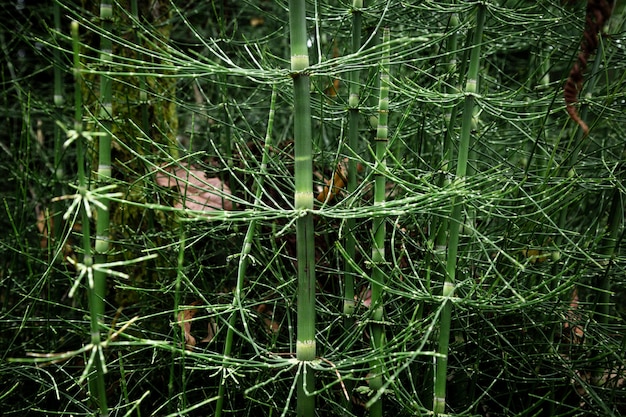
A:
[311,208]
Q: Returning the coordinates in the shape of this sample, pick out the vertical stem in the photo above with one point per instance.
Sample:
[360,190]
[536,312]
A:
[178,291]
[378,230]
[303,202]
[471,88]
[245,251]
[353,144]
[58,141]
[602,287]
[441,225]
[78,126]
[608,245]
[143,92]
[96,380]
[98,292]
[571,160]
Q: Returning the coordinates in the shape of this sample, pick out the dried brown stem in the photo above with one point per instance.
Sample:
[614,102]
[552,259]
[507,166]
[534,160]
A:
[598,12]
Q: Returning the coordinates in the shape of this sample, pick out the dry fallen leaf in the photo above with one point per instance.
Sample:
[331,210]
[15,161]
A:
[573,332]
[196,191]
[211,331]
[267,314]
[339,181]
[185,318]
[365,297]
[256,21]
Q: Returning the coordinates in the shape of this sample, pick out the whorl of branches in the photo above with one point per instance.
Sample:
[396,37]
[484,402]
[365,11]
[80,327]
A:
[598,12]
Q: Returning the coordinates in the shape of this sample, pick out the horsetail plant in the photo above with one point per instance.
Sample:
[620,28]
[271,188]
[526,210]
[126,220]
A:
[303,203]
[143,85]
[97,387]
[441,224]
[444,180]
[353,145]
[378,231]
[244,257]
[98,292]
[58,142]
[456,217]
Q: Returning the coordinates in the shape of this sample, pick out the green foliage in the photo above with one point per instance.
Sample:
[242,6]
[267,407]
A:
[201,306]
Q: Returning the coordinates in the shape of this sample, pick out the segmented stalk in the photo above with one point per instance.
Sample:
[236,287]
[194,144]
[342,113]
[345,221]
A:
[303,201]
[379,232]
[441,224]
[143,92]
[96,381]
[98,292]
[353,145]
[244,258]
[58,138]
[456,218]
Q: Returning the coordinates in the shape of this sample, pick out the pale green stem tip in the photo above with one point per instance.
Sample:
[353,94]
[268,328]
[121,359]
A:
[299,62]
[305,350]
[106,11]
[353,101]
[303,199]
[104,171]
[102,244]
[348,307]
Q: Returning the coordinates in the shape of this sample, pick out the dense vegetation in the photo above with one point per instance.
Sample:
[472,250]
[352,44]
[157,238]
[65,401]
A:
[259,208]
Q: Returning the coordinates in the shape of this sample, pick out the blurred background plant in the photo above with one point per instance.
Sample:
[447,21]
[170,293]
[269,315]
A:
[499,220]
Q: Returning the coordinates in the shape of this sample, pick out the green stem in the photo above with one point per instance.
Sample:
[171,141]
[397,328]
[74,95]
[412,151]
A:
[98,292]
[96,380]
[602,287]
[569,165]
[244,258]
[441,225]
[608,246]
[471,88]
[143,91]
[353,144]
[303,202]
[58,140]
[178,291]
[379,232]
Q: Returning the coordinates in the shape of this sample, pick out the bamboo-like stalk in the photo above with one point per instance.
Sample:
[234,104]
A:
[143,92]
[244,258]
[78,123]
[58,138]
[98,292]
[608,246]
[303,202]
[353,144]
[379,231]
[441,224]
[96,381]
[456,218]
[178,293]
[569,164]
